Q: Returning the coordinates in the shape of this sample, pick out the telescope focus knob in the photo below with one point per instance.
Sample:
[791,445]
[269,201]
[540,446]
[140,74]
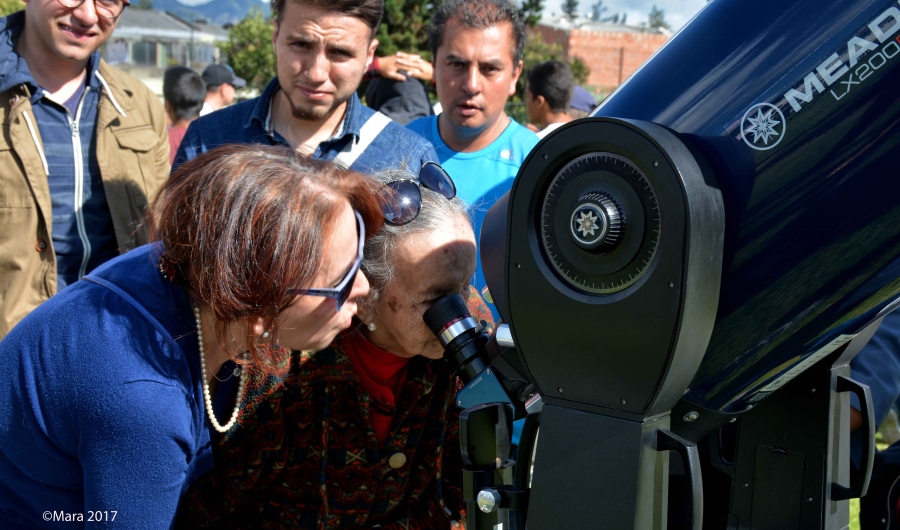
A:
[597,224]
[488,500]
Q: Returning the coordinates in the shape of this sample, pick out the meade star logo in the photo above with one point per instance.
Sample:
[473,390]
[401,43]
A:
[587,223]
[763,126]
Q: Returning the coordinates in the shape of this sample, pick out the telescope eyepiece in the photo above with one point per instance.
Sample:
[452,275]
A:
[460,335]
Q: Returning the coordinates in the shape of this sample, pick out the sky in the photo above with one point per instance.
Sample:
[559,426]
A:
[678,12]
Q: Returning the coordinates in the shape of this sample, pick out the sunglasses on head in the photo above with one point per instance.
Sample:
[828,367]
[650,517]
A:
[401,200]
[342,292]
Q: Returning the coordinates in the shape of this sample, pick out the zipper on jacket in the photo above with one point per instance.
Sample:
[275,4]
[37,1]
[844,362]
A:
[79,185]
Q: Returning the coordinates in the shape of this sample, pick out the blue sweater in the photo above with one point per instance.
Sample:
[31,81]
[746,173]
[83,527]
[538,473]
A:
[101,403]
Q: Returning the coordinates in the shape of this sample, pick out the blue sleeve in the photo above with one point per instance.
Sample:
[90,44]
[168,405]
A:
[878,365]
[418,125]
[134,448]
[190,147]
[427,154]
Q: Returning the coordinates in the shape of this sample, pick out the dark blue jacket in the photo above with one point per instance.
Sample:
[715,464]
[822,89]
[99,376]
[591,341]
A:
[249,122]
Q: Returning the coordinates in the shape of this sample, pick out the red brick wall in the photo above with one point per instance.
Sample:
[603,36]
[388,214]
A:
[611,56]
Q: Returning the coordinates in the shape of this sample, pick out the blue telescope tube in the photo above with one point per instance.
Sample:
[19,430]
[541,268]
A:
[796,106]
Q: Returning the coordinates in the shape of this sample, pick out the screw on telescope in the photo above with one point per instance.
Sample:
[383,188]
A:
[655,163]
[545,156]
[518,266]
[488,500]
[623,401]
[560,390]
[691,416]
[671,284]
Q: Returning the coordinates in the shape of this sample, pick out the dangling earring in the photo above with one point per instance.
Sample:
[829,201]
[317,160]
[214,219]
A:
[266,334]
[372,326]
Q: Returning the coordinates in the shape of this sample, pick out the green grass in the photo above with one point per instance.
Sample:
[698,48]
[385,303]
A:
[881,445]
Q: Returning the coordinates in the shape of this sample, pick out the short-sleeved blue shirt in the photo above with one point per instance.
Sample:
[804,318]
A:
[483,176]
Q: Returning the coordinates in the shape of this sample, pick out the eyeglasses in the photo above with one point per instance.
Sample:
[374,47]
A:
[106,9]
[401,200]
[342,292]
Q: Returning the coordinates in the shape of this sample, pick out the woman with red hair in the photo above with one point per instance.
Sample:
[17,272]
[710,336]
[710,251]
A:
[114,390]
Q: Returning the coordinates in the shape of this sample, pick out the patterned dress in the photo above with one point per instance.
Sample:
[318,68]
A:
[305,453]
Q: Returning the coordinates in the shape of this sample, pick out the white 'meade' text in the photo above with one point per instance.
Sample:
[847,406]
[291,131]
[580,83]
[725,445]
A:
[857,58]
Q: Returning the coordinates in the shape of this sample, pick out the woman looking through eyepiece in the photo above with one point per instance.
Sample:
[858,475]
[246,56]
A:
[364,432]
[114,389]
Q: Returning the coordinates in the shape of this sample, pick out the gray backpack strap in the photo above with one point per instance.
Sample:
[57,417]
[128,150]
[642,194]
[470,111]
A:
[367,134]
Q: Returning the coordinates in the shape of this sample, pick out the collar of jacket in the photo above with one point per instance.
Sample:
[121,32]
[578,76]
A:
[333,365]
[14,70]
[353,118]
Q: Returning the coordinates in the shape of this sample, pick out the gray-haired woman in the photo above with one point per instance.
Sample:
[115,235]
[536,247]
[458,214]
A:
[363,433]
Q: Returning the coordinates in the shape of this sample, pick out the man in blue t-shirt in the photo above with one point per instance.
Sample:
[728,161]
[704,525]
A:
[476,46]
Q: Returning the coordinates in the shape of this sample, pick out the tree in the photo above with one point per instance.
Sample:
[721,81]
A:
[531,11]
[657,18]
[580,70]
[8,7]
[404,27]
[144,4]
[570,8]
[597,11]
[249,49]
[538,51]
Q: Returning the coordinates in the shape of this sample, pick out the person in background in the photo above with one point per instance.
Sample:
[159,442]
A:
[401,66]
[183,91]
[401,101]
[221,85]
[363,434]
[115,389]
[582,103]
[477,48]
[548,92]
[322,50]
[84,150]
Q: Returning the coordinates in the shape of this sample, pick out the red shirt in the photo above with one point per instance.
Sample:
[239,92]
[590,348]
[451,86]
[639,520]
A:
[381,374]
[175,136]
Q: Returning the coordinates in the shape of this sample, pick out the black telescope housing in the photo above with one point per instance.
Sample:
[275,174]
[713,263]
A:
[690,270]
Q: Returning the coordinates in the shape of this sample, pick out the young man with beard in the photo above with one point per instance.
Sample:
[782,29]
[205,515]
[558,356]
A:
[477,47]
[83,150]
[322,50]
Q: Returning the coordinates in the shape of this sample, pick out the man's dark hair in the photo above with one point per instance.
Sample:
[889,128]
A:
[185,91]
[554,81]
[369,11]
[478,14]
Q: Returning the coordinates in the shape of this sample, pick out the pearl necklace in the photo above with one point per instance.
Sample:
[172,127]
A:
[209,407]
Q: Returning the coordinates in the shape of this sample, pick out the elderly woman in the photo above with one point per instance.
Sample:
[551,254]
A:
[107,409]
[363,433]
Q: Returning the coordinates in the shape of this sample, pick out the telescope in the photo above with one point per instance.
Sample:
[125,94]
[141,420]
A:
[683,278]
